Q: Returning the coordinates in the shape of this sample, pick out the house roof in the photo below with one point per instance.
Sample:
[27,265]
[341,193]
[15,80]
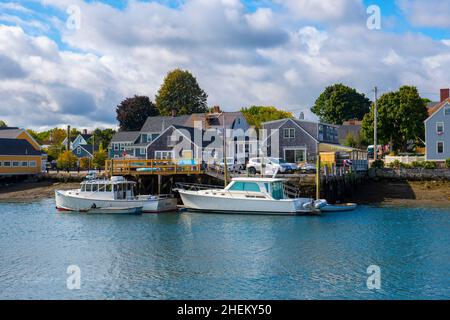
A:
[192,132]
[89,148]
[17,147]
[125,136]
[160,123]
[437,106]
[10,133]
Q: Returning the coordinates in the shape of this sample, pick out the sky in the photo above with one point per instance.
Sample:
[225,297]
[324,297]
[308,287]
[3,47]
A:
[73,61]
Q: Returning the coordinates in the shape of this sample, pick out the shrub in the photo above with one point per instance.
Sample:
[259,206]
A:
[397,165]
[85,163]
[429,165]
[447,163]
[378,164]
[417,164]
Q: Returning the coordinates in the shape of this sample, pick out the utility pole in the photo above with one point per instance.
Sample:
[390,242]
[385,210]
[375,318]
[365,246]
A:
[68,138]
[225,169]
[375,126]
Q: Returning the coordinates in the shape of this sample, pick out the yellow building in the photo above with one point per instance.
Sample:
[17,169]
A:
[20,154]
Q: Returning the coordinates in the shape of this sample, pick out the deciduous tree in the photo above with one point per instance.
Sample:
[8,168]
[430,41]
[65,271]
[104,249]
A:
[180,92]
[339,103]
[256,115]
[133,112]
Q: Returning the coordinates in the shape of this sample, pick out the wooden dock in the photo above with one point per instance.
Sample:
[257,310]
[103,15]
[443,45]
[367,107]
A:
[137,167]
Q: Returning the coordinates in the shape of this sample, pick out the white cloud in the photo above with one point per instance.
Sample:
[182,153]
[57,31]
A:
[239,58]
[426,13]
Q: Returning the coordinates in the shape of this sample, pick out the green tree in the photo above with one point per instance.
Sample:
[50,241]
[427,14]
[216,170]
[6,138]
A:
[133,112]
[100,158]
[102,137]
[67,160]
[3,124]
[401,116]
[355,140]
[339,103]
[180,92]
[256,115]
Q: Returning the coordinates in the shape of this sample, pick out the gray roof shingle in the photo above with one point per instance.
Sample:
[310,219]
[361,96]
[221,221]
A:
[126,136]
[17,147]
[160,123]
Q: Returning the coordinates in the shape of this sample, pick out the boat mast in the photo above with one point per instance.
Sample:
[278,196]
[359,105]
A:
[225,171]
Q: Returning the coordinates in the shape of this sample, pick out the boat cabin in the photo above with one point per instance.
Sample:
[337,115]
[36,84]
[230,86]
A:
[275,188]
[117,188]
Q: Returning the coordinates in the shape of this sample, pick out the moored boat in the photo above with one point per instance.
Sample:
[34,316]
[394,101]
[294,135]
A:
[248,196]
[115,195]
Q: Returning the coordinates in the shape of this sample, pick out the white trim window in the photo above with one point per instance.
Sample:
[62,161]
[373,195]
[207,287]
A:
[143,151]
[163,155]
[7,164]
[79,150]
[289,133]
[32,164]
[16,164]
[295,155]
[24,164]
[116,146]
[440,147]
[440,128]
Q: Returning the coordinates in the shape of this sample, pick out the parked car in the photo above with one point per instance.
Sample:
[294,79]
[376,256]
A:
[231,165]
[272,165]
[308,168]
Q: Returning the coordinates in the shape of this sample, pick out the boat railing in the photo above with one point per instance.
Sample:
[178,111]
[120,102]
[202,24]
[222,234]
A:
[196,186]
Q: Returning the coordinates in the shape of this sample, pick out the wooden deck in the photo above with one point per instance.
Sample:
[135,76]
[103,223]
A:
[139,167]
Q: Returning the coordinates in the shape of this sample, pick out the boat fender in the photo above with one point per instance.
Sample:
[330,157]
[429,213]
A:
[308,205]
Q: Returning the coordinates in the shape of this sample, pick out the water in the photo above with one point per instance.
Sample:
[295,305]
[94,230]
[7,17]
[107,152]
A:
[195,256]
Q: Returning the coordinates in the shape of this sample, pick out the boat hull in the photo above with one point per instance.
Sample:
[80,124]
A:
[216,204]
[70,201]
[339,208]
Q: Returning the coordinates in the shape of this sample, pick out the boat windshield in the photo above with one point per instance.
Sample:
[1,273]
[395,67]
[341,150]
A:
[245,186]
[277,190]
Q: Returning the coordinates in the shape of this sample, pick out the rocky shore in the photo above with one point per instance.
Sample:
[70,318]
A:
[32,191]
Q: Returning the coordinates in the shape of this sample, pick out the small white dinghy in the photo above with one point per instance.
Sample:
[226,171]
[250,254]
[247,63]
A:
[111,210]
[339,207]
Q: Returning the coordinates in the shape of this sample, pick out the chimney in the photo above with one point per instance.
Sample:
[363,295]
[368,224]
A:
[445,94]
[174,113]
[85,131]
[216,109]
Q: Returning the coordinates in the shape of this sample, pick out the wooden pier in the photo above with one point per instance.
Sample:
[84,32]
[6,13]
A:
[137,167]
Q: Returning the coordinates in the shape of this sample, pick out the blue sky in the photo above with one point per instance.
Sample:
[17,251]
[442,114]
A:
[243,52]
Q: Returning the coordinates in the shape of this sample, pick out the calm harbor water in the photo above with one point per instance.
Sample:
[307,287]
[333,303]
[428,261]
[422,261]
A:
[198,256]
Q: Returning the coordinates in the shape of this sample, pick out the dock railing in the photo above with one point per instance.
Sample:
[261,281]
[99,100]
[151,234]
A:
[151,167]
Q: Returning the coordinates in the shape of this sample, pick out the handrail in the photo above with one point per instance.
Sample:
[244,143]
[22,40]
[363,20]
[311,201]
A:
[196,186]
[152,166]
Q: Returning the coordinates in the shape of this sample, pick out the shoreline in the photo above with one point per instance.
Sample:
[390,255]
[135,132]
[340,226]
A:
[384,193]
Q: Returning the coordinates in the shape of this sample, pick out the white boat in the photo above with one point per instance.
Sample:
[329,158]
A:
[115,195]
[248,196]
[339,207]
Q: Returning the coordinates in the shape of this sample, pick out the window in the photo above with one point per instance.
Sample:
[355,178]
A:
[277,190]
[94,187]
[88,188]
[108,188]
[116,156]
[295,155]
[24,164]
[143,151]
[116,146]
[440,128]
[83,188]
[144,138]
[32,164]
[163,155]
[289,133]
[15,163]
[172,140]
[7,164]
[245,186]
[78,150]
[440,147]
[447,111]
